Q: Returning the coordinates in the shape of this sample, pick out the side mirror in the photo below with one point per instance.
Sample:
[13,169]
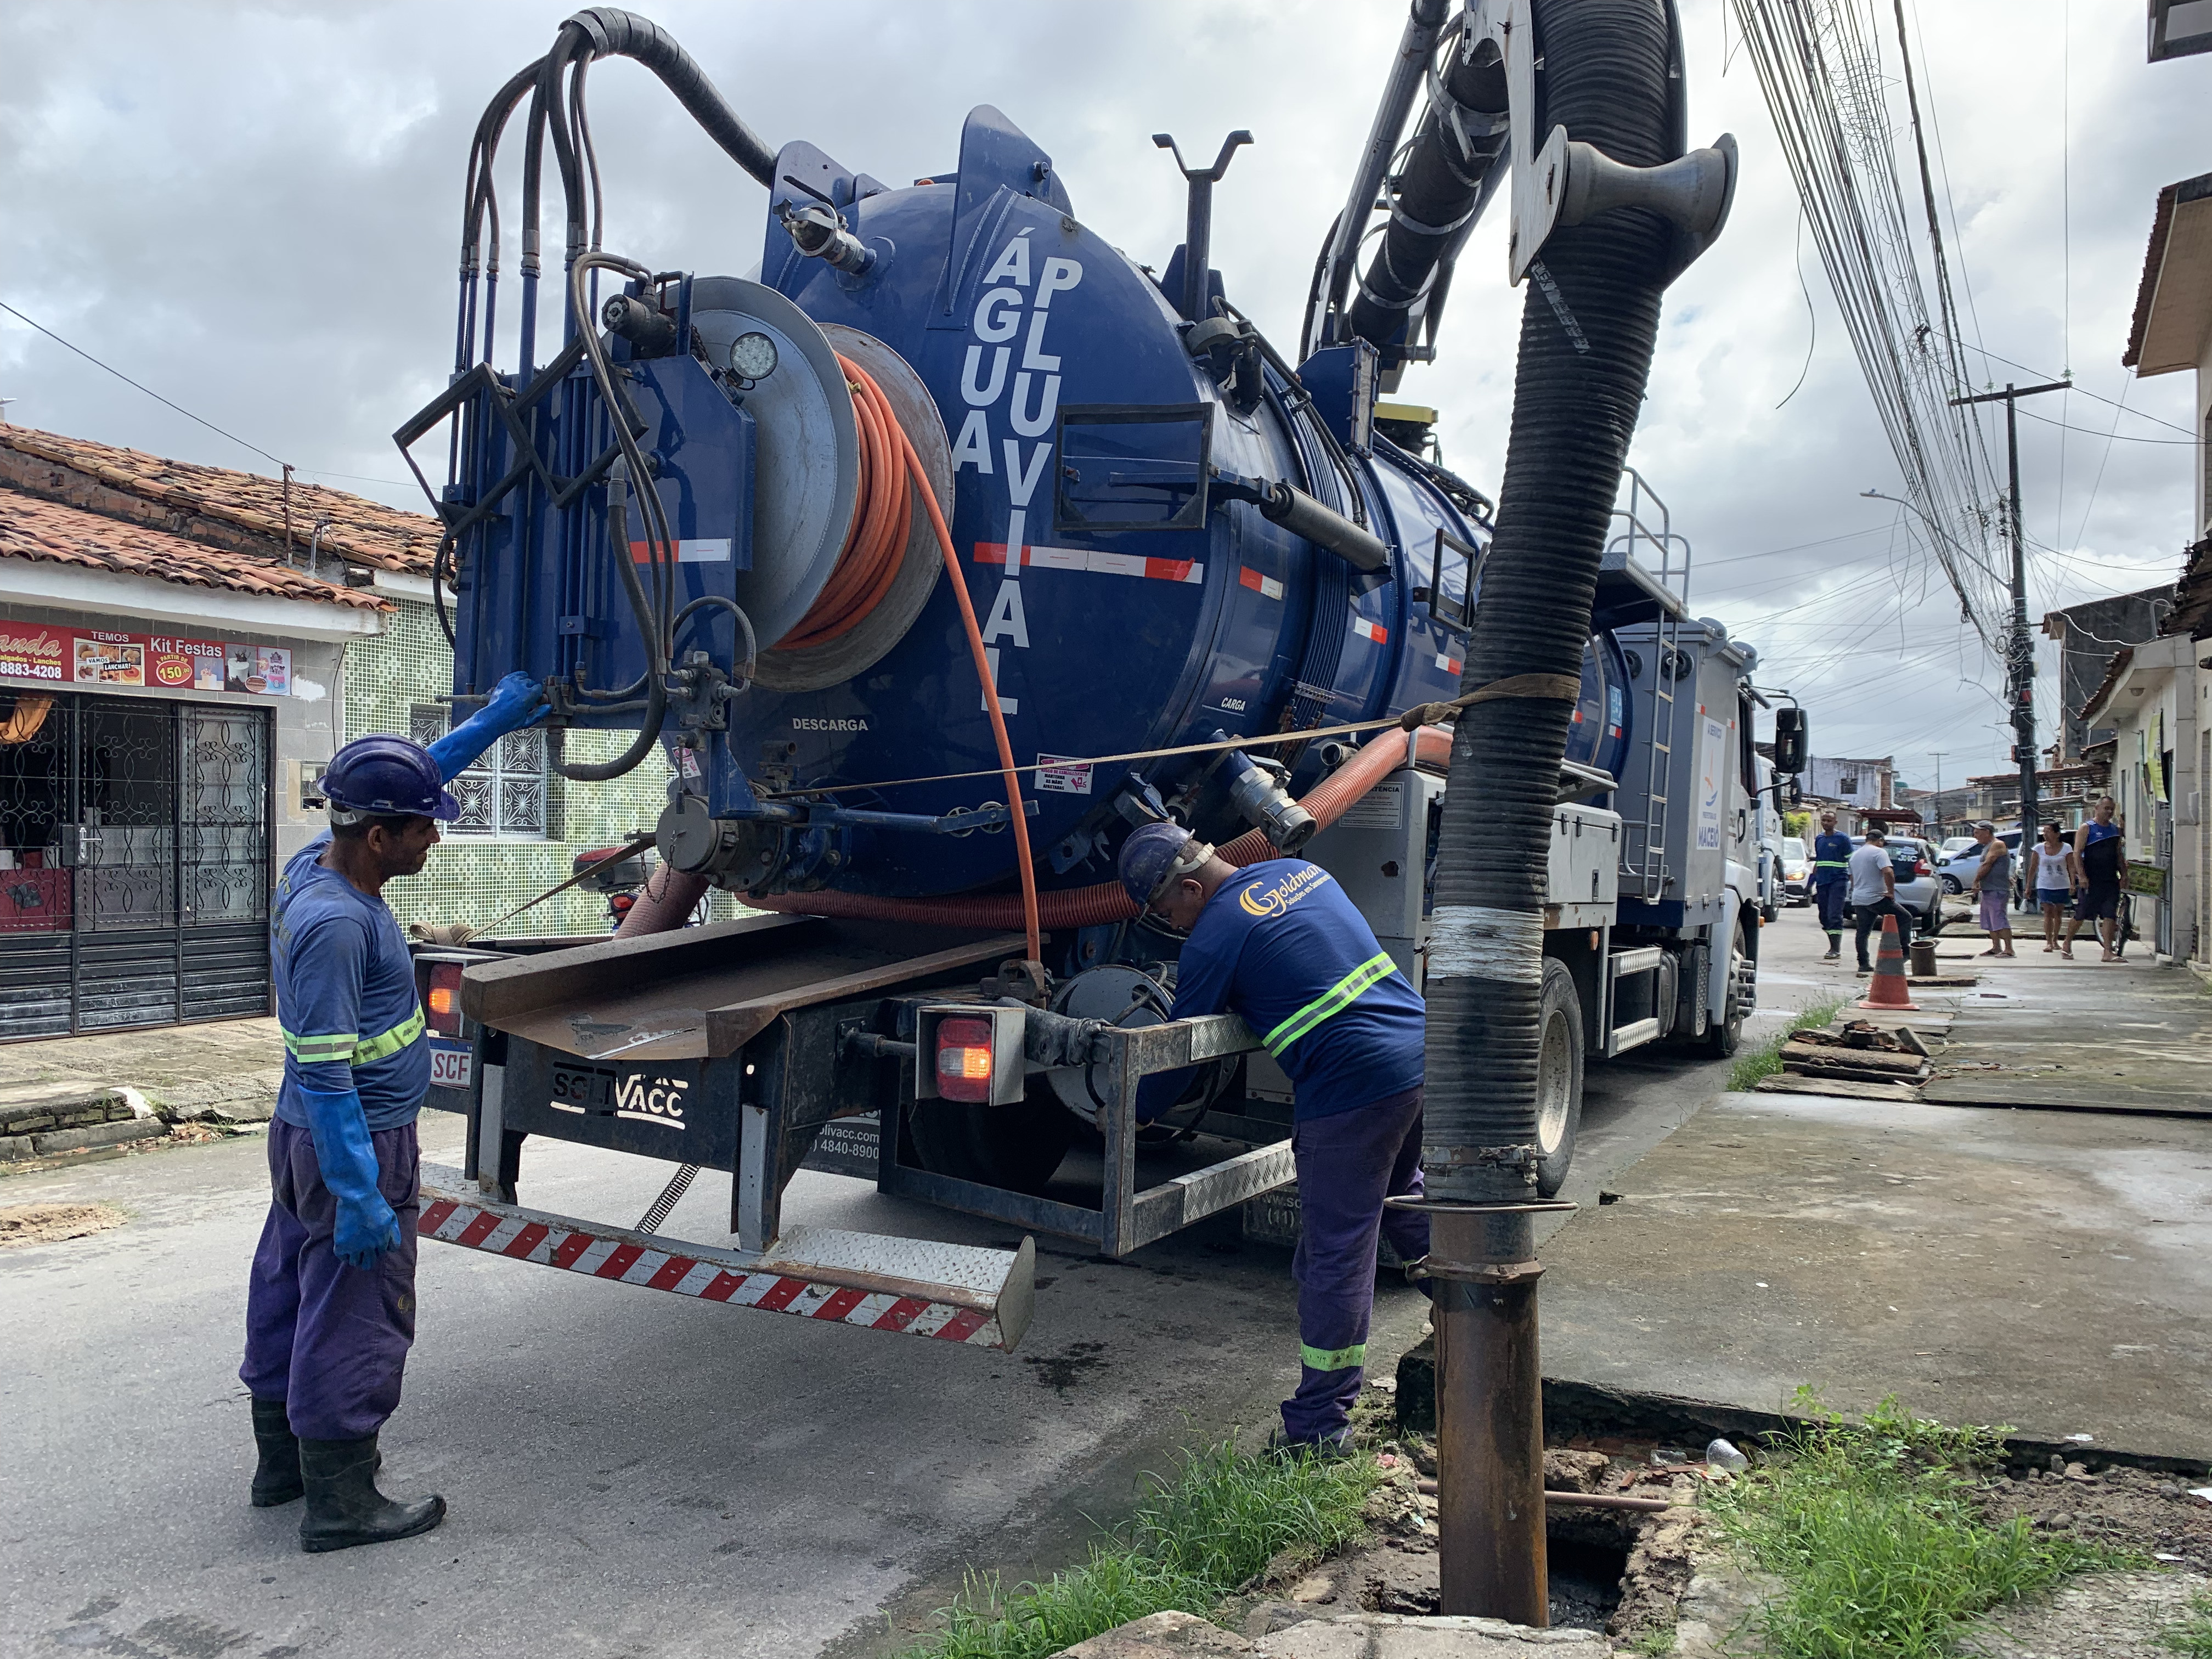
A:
[1793,740]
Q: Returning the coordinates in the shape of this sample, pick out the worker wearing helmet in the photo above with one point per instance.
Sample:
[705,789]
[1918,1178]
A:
[1280,945]
[330,1309]
[1832,859]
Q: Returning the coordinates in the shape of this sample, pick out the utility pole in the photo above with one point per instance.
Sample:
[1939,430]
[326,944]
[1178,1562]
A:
[1938,753]
[2019,649]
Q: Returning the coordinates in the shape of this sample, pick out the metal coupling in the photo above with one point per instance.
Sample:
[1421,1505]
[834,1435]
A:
[818,232]
[652,333]
[1256,791]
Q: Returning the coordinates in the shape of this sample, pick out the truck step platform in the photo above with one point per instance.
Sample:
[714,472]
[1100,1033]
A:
[912,1287]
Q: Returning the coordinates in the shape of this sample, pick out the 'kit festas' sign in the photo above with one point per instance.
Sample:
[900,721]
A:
[76,656]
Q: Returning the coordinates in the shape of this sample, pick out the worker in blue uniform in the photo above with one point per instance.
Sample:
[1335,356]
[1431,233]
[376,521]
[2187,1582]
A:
[329,1310]
[1281,945]
[1832,864]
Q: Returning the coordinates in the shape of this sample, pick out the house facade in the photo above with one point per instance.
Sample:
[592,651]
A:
[182,649]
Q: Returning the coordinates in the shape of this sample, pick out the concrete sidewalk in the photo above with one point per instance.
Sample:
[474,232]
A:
[2046,1268]
[229,1070]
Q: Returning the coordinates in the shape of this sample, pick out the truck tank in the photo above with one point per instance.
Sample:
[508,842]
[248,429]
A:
[1111,468]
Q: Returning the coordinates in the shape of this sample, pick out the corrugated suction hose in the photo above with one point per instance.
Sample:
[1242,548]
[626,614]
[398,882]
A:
[1087,907]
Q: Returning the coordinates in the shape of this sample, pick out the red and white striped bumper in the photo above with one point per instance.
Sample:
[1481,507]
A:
[955,1293]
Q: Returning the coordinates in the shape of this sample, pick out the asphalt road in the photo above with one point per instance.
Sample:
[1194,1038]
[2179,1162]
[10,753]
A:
[628,1473]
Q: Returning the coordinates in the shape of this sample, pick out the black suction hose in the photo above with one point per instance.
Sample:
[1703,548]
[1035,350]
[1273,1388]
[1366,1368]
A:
[1577,394]
[616,34]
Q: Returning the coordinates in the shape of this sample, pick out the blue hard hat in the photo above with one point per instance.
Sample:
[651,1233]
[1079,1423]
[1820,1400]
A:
[388,777]
[1150,854]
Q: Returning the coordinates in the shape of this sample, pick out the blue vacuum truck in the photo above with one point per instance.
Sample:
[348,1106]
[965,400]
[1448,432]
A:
[937,556]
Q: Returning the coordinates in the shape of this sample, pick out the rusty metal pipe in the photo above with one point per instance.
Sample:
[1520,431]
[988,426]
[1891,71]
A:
[1588,1500]
[1489,1416]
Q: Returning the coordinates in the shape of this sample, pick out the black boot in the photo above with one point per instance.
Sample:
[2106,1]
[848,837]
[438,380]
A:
[344,1508]
[276,1480]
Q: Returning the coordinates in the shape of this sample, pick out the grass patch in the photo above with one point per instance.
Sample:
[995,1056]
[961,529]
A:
[1875,1535]
[1766,1060]
[1192,1541]
[2193,1635]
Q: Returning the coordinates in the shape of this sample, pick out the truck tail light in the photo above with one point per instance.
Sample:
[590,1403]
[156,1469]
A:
[442,1006]
[964,1060]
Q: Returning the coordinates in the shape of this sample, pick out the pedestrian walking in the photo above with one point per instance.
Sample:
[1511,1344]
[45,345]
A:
[1872,880]
[2054,876]
[1831,858]
[1993,881]
[2099,845]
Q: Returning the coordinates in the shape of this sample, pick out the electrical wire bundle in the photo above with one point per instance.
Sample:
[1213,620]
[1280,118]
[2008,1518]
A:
[1820,64]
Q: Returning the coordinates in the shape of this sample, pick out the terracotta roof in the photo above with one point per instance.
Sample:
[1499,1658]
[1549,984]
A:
[362,532]
[2162,225]
[2192,594]
[32,528]
[2121,659]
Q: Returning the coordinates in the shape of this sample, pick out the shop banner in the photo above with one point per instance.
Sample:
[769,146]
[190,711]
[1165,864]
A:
[78,656]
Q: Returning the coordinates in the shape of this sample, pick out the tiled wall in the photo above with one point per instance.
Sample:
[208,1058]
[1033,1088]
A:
[476,878]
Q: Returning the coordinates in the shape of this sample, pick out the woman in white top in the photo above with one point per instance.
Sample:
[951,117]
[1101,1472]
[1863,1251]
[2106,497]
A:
[2054,876]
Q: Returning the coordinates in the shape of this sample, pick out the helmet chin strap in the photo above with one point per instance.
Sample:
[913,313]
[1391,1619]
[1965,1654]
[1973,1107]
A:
[1186,863]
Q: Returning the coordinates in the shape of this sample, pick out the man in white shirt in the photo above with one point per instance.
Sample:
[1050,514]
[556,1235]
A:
[1873,895]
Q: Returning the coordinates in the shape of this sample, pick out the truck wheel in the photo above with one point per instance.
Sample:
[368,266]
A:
[1558,1077]
[1017,1148]
[1724,1035]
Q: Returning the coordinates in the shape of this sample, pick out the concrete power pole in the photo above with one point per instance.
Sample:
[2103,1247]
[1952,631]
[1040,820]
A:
[1937,755]
[2019,648]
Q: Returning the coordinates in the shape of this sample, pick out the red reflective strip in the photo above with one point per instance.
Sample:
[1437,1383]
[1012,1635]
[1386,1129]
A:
[900,1315]
[621,1262]
[571,1247]
[991,553]
[963,1325]
[672,1271]
[434,1217]
[1168,570]
[527,1240]
[782,1294]
[476,1231]
[840,1305]
[1249,578]
[725,1286]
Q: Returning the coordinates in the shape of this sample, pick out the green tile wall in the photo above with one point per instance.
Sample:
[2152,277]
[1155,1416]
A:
[476,878]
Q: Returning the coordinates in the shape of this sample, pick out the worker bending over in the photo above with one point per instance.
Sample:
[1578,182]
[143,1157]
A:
[330,1309]
[1832,869]
[1280,945]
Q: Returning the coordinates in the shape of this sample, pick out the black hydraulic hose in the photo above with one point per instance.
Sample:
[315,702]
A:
[616,34]
[656,676]
[1577,394]
[1440,190]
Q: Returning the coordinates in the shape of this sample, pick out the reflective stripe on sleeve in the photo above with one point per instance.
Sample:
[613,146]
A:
[1333,1360]
[321,1049]
[1334,1000]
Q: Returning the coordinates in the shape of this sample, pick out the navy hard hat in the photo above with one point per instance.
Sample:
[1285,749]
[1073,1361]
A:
[386,777]
[1154,855]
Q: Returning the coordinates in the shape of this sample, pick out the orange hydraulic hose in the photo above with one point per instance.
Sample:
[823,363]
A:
[870,559]
[1087,906]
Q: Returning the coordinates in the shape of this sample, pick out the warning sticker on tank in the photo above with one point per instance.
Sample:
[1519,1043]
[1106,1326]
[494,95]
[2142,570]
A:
[1063,774]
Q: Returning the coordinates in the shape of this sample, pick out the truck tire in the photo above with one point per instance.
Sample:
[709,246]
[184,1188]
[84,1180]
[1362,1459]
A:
[1016,1147]
[1558,1077]
[1723,1036]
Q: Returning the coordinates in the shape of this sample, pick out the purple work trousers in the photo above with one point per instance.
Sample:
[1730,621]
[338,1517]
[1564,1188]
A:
[1348,1162]
[327,1340]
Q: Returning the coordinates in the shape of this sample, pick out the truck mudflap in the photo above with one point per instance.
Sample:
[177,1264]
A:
[912,1287]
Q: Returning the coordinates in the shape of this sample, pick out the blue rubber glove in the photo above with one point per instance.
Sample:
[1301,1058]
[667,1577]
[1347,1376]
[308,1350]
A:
[516,701]
[366,1226]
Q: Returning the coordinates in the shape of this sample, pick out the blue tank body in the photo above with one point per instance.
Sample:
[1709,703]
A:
[1031,331]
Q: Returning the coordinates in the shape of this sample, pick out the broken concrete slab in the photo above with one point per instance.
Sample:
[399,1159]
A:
[114,1134]
[1163,1635]
[59,1102]
[2100,1615]
[228,1069]
[1790,1082]
[1345,1636]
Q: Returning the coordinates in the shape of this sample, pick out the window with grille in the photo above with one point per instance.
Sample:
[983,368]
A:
[503,793]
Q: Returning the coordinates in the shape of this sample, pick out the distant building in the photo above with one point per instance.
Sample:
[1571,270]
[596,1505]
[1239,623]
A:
[1866,784]
[2089,636]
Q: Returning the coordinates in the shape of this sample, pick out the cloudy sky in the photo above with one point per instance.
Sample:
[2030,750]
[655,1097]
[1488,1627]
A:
[253,210]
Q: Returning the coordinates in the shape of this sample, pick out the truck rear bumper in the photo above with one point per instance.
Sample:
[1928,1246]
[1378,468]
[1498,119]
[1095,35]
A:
[914,1287]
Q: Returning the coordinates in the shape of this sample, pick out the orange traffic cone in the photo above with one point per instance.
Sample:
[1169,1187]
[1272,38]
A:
[1888,990]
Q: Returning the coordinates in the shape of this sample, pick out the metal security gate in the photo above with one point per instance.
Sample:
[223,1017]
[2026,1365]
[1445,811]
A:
[135,838]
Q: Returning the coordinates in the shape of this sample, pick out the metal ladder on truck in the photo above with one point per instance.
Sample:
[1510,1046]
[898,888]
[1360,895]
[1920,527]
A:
[1643,872]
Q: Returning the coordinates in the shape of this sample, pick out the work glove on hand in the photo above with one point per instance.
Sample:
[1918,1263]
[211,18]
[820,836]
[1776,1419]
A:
[516,701]
[367,1227]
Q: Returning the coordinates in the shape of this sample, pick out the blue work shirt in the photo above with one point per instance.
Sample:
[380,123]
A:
[1832,858]
[1281,946]
[345,996]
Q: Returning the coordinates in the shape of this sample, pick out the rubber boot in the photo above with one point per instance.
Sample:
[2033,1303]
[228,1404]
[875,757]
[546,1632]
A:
[344,1508]
[276,1479]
